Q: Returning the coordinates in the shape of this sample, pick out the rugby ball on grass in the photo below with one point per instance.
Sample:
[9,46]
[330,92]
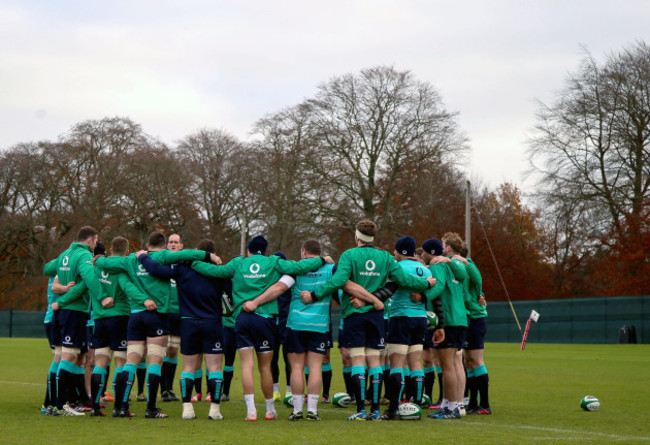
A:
[426,400]
[432,320]
[590,403]
[409,411]
[288,401]
[341,400]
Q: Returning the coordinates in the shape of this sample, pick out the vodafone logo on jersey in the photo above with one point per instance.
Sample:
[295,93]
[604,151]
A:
[66,260]
[104,274]
[254,270]
[370,267]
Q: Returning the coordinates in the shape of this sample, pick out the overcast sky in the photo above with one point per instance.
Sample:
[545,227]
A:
[177,66]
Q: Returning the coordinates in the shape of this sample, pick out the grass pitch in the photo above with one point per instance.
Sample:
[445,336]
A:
[535,397]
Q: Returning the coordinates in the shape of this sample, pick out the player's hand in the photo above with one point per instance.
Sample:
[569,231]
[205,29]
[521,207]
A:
[416,297]
[150,305]
[140,252]
[440,259]
[438,336]
[357,303]
[482,301]
[305,297]
[108,302]
[328,259]
[250,306]
[432,281]
[378,305]
[215,259]
[70,285]
[55,306]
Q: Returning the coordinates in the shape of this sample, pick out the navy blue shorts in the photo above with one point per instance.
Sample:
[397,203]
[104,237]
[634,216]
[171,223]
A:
[201,336]
[454,338]
[341,337]
[90,330]
[255,331]
[428,339]
[281,335]
[145,324]
[406,330]
[365,330]
[330,340]
[72,326]
[303,341]
[53,334]
[229,338]
[111,332]
[174,324]
[476,333]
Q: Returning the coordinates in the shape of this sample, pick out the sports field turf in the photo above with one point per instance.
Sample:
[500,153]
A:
[535,397]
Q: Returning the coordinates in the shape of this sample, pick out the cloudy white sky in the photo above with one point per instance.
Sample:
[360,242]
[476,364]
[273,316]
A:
[178,66]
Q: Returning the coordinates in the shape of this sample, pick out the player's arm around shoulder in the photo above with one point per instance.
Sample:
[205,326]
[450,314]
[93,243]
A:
[113,264]
[217,271]
[168,257]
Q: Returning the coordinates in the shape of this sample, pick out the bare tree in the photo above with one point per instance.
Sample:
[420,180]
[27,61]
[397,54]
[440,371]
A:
[593,143]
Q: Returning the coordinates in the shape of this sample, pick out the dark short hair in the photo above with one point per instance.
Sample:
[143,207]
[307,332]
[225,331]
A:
[119,245]
[207,245]
[312,247]
[86,232]
[367,227]
[157,239]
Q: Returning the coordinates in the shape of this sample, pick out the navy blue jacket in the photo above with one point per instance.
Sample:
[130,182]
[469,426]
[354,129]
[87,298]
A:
[198,296]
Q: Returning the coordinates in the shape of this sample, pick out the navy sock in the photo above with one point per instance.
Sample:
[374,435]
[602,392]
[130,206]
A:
[358,377]
[327,379]
[396,383]
[228,372]
[417,381]
[198,381]
[97,386]
[215,386]
[187,385]
[376,379]
[142,375]
[153,382]
[429,381]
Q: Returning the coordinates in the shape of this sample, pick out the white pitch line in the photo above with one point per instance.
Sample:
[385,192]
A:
[563,431]
[22,383]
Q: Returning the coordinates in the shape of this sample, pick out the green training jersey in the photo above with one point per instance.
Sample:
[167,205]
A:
[473,290]
[370,268]
[152,288]
[252,275]
[451,292]
[76,264]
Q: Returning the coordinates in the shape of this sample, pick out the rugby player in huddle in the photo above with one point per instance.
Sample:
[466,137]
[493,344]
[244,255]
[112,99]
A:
[133,294]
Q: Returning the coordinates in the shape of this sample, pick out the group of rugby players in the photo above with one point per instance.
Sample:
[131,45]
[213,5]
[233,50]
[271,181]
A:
[147,304]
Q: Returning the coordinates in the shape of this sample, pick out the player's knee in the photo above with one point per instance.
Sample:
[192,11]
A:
[174,341]
[415,348]
[156,351]
[103,351]
[370,352]
[74,352]
[397,349]
[356,352]
[139,349]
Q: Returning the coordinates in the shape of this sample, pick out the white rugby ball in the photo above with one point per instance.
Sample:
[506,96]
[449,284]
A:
[409,411]
[590,403]
[341,400]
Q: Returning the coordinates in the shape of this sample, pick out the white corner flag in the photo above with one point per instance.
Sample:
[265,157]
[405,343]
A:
[534,315]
